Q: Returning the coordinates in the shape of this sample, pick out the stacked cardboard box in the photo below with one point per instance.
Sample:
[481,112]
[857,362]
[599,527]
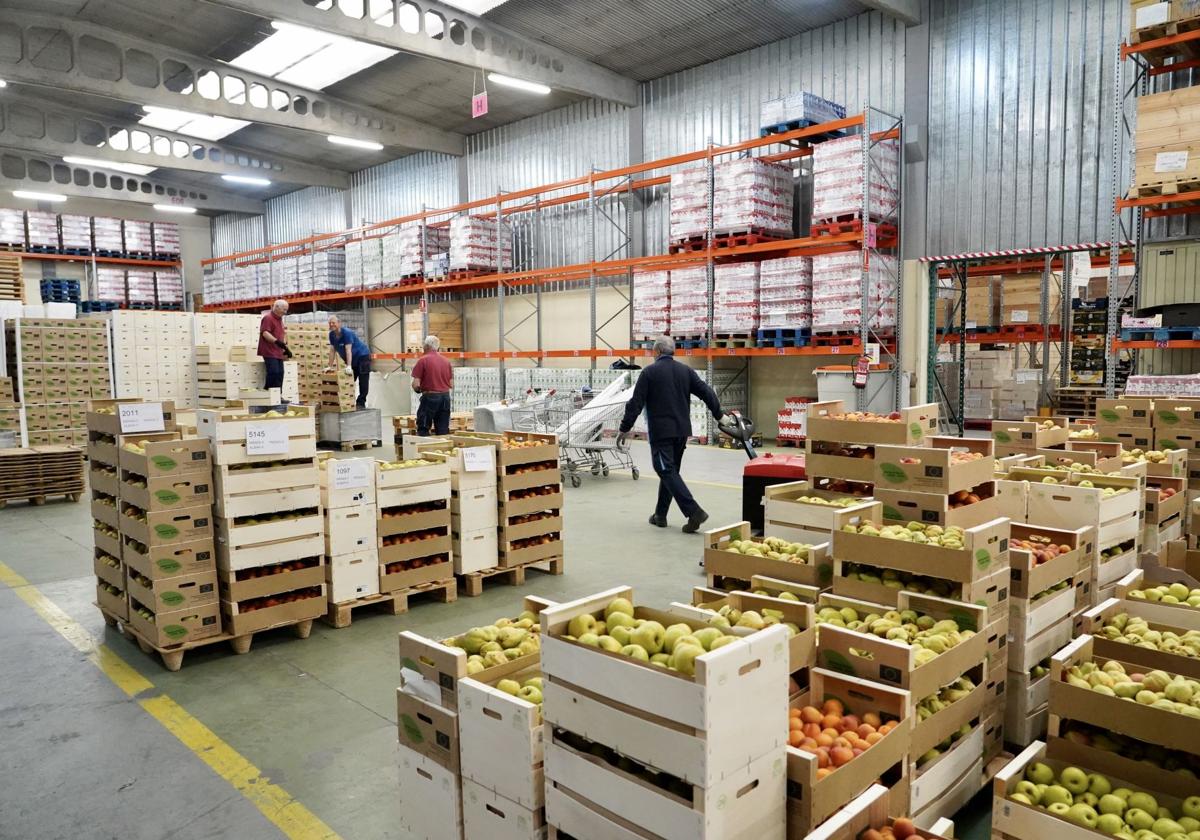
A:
[339,391]
[106,234]
[63,365]
[838,172]
[137,237]
[596,779]
[269,526]
[689,302]
[310,347]
[351,537]
[479,243]
[139,285]
[364,263]
[445,321]
[735,299]
[42,229]
[168,287]
[321,271]
[837,292]
[651,304]
[153,355]
[12,228]
[414,541]
[166,239]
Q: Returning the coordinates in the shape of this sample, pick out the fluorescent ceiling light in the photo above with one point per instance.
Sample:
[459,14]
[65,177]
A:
[520,84]
[127,168]
[185,122]
[3,84]
[309,58]
[174,208]
[246,179]
[357,144]
[475,7]
[39,196]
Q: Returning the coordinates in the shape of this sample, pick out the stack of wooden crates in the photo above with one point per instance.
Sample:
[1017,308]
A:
[351,538]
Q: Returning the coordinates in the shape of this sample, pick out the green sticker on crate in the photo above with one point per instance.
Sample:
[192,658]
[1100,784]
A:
[964,620]
[169,564]
[411,729]
[1167,444]
[834,661]
[1168,417]
[1109,415]
[1002,437]
[893,473]
[890,512]
[175,631]
[825,572]
[167,497]
[408,662]
[164,462]
[915,430]
[983,558]
[166,531]
[172,599]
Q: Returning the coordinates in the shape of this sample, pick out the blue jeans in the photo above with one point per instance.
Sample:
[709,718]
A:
[433,411]
[274,373]
[667,457]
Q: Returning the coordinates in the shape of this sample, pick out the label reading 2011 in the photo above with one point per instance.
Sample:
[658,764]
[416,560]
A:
[140,417]
[266,439]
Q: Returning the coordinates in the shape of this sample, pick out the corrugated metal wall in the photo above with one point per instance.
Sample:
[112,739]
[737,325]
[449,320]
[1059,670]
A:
[304,213]
[233,232]
[856,62]
[402,186]
[544,149]
[1020,122]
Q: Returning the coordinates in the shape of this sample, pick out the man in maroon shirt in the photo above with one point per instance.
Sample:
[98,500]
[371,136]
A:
[432,378]
[272,343]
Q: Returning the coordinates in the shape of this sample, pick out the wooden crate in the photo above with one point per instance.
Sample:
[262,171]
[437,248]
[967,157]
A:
[721,563]
[871,809]
[914,425]
[253,489]
[410,485]
[789,518]
[227,429]
[1177,622]
[239,622]
[487,814]
[346,482]
[242,546]
[501,737]
[801,646]
[1021,299]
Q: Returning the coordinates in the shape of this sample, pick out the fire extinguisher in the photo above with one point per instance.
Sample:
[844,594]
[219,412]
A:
[861,369]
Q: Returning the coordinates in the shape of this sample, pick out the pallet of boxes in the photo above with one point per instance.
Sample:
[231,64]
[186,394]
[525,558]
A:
[152,512]
[468,710]
[309,344]
[415,550]
[270,532]
[351,539]
[226,374]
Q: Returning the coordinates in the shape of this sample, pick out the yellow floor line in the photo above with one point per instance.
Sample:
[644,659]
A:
[275,803]
[713,484]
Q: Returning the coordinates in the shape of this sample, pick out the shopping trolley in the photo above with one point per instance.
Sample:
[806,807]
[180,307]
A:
[580,423]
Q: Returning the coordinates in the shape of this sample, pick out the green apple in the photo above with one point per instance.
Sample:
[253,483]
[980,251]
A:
[721,642]
[1109,823]
[1189,824]
[687,640]
[1074,780]
[673,634]
[663,659]
[1143,801]
[752,620]
[1058,808]
[621,633]
[1139,819]
[610,644]
[1055,794]
[589,639]
[619,605]
[1029,790]
[1039,773]
[618,619]
[534,681]
[1191,807]
[580,624]
[683,659]
[1110,804]
[707,636]
[1082,814]
[1165,826]
[635,652]
[531,694]
[488,647]
[1099,785]
[1020,797]
[1088,798]
[650,637]
[509,687]
[1123,792]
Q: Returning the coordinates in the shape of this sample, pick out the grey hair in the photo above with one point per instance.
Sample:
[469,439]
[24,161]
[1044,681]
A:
[333,317]
[432,342]
[281,303]
[664,345]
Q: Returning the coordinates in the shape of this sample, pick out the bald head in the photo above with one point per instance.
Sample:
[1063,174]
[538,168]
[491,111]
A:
[280,307]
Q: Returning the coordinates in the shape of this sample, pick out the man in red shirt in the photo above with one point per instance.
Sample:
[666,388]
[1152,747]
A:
[432,378]
[272,343]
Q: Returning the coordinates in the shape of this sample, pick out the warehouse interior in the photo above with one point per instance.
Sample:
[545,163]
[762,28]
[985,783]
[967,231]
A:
[930,269]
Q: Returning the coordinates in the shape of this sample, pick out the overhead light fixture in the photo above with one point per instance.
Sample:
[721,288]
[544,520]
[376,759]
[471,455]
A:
[519,84]
[3,84]
[96,163]
[246,179]
[174,208]
[355,143]
[39,196]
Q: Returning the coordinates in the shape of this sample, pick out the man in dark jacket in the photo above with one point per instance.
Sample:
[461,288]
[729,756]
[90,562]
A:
[664,390]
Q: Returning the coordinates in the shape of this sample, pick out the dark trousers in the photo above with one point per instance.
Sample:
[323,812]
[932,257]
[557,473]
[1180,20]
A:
[667,456]
[433,411]
[362,372]
[274,373]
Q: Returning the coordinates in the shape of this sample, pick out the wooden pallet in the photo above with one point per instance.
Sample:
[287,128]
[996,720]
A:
[789,442]
[731,340]
[472,582]
[1163,188]
[724,241]
[395,603]
[40,498]
[172,656]
[350,445]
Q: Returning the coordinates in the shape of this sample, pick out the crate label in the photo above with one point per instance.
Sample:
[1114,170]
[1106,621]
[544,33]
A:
[916,431]
[167,497]
[347,475]
[1108,415]
[893,473]
[166,531]
[1171,161]
[169,564]
[1152,15]
[479,459]
[1019,316]
[164,462]
[175,631]
[140,417]
[172,599]
[266,439]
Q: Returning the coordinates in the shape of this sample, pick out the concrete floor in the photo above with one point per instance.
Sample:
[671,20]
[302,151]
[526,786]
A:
[81,758]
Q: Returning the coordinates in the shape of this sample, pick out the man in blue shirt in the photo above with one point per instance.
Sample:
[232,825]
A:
[345,346]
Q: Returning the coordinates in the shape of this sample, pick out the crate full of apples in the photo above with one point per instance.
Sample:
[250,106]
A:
[732,552]
[832,421]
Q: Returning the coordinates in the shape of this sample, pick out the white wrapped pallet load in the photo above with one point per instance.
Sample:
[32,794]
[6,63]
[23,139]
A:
[110,284]
[838,179]
[474,241]
[749,195]
[800,107]
[139,284]
[785,293]
[735,298]
[403,252]
[77,232]
[837,304]
[651,303]
[12,227]
[43,229]
[689,302]
[168,285]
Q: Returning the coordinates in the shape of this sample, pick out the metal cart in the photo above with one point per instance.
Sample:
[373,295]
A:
[581,421]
